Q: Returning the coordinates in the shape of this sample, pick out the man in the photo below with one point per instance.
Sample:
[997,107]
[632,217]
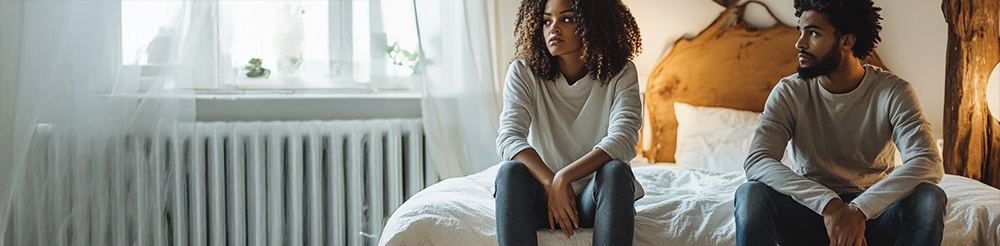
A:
[844,121]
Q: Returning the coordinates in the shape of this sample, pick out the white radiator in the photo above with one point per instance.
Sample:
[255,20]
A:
[252,183]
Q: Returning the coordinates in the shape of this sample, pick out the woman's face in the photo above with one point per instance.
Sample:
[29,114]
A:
[560,29]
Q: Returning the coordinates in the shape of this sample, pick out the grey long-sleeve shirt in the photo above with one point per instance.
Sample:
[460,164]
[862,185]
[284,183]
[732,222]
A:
[564,122]
[843,143]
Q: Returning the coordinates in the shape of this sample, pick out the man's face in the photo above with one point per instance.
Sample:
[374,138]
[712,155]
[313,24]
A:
[817,37]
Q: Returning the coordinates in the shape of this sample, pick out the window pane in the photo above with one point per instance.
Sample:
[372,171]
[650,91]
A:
[290,44]
[147,31]
[401,29]
[290,39]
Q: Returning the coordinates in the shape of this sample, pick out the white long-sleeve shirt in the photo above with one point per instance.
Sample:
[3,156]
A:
[843,143]
[564,122]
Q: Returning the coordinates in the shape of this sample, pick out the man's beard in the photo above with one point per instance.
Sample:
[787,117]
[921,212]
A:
[826,64]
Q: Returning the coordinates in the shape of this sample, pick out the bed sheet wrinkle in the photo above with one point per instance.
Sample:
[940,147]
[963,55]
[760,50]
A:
[973,212]
[457,211]
[687,206]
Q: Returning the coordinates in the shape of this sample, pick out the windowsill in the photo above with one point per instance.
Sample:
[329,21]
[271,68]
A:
[278,105]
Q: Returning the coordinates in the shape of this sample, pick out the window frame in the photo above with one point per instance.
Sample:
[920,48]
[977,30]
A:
[209,78]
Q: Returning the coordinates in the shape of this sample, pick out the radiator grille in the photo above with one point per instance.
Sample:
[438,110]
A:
[232,183]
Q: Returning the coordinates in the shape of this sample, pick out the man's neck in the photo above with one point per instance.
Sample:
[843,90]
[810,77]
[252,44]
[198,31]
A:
[845,78]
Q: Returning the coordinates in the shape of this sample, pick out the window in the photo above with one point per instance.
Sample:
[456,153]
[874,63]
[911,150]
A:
[253,44]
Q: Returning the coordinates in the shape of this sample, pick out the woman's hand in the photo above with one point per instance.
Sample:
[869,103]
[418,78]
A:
[562,205]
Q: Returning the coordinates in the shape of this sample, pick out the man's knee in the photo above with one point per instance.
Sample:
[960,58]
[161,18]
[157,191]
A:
[752,189]
[753,194]
[927,196]
[753,204]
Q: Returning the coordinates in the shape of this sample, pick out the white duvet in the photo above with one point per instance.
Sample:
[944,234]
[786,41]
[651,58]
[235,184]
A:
[681,207]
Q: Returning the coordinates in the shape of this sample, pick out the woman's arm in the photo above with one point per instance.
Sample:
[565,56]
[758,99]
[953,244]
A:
[536,166]
[625,117]
[624,122]
[515,119]
[581,168]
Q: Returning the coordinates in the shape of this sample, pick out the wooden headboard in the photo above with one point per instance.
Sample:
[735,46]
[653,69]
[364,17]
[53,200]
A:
[729,64]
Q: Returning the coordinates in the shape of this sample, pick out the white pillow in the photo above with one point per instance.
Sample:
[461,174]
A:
[713,138]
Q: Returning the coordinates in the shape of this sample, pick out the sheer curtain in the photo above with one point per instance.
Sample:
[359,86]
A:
[73,176]
[460,105]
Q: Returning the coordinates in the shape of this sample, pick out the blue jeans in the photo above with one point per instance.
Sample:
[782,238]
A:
[766,217]
[606,204]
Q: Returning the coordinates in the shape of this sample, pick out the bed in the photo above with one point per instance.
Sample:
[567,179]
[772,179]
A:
[682,206]
[700,135]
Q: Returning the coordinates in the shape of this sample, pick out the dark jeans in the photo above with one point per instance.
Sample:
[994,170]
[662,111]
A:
[766,217]
[606,204]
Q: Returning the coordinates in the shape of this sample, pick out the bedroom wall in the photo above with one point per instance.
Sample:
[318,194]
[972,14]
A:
[915,56]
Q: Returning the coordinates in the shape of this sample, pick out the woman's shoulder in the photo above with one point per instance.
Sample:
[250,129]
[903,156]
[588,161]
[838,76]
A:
[627,74]
[519,74]
[520,68]
[519,65]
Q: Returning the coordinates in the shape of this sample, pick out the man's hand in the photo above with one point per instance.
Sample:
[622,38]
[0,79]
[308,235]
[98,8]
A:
[562,205]
[845,224]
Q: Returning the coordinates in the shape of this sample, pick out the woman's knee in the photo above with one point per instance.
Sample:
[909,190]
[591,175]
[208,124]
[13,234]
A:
[615,175]
[615,168]
[512,171]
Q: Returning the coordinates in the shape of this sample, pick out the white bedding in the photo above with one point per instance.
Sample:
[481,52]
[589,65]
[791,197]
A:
[681,207]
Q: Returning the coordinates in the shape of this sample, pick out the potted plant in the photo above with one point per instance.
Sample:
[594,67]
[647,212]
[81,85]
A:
[255,70]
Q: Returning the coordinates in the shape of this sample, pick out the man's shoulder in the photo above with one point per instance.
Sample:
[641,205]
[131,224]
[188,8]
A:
[884,77]
[885,82]
[792,83]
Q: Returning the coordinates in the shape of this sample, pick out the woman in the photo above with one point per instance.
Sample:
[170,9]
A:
[575,90]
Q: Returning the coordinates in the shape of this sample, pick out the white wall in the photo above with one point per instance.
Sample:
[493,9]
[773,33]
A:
[914,38]
[506,11]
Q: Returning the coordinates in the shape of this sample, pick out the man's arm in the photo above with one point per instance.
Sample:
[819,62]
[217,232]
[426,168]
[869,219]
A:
[843,222]
[767,147]
[921,162]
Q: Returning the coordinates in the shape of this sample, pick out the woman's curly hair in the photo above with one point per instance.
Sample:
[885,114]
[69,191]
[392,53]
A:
[857,17]
[609,32]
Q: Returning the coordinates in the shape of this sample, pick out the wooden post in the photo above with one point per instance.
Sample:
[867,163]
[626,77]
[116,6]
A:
[971,134]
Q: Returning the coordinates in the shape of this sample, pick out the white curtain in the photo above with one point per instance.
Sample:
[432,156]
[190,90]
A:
[460,104]
[69,174]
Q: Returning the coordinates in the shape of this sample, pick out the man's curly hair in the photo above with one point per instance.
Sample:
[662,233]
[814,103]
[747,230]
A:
[609,32]
[857,17]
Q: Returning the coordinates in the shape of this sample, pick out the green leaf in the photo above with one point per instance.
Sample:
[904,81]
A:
[393,48]
[410,56]
[256,62]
